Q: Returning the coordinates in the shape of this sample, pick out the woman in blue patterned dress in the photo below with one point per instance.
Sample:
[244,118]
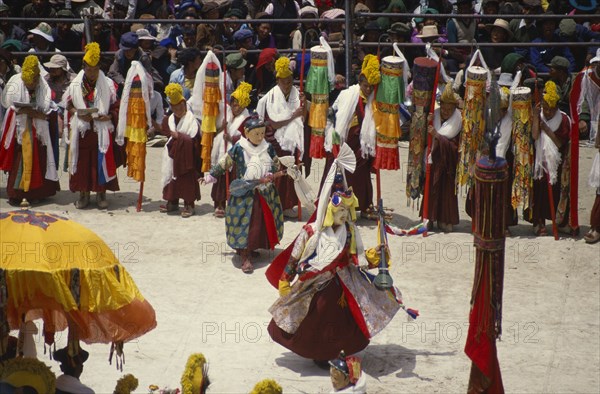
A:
[254,219]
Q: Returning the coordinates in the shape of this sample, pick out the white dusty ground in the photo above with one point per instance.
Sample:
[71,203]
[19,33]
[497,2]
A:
[204,303]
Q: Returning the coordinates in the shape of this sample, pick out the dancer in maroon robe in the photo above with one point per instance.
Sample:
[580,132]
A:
[551,131]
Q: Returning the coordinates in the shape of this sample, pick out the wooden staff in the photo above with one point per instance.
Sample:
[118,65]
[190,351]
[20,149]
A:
[377,172]
[429,142]
[301,104]
[140,197]
[550,194]
[225,123]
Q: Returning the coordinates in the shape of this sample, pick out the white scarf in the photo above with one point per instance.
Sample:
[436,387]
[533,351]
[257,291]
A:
[187,125]
[16,91]
[104,95]
[451,126]
[505,134]
[233,125]
[257,159]
[71,384]
[345,105]
[291,136]
[449,129]
[547,155]
[147,83]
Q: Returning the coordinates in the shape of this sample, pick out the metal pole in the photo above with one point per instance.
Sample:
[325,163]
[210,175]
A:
[348,5]
[87,28]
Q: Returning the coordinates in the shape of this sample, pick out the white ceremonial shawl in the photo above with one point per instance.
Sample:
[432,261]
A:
[104,95]
[345,106]
[547,155]
[291,136]
[16,91]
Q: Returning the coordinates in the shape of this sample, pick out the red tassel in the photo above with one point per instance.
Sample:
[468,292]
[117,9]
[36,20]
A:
[412,313]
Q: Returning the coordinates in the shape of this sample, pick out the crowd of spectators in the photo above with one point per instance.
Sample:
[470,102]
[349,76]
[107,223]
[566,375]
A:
[174,51]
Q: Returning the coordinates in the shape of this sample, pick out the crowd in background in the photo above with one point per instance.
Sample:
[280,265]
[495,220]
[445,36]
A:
[174,51]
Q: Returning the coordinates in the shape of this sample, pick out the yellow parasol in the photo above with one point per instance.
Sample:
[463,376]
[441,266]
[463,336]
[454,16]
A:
[54,269]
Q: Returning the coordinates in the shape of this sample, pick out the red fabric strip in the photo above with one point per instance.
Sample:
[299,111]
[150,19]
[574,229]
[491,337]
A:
[6,155]
[269,222]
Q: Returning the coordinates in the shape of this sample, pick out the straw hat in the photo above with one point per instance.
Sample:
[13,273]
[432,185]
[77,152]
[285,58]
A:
[501,23]
[429,32]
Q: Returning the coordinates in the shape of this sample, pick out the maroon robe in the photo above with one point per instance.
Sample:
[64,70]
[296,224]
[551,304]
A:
[595,215]
[187,166]
[443,201]
[329,325]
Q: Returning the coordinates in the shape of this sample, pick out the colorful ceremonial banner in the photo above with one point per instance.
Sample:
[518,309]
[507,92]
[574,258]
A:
[523,148]
[471,137]
[318,86]
[485,316]
[424,70]
[386,114]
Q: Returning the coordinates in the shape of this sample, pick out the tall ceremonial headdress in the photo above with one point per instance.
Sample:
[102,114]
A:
[135,118]
[206,104]
[524,158]
[390,93]
[424,71]
[471,138]
[319,82]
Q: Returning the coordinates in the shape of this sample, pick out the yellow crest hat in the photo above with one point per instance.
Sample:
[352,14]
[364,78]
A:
[174,92]
[448,95]
[551,95]
[30,69]
[195,375]
[24,371]
[282,68]
[242,94]
[126,384]
[92,54]
[370,69]
[267,386]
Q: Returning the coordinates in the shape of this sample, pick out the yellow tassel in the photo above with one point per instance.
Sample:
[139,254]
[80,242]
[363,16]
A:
[136,160]
[27,155]
[207,143]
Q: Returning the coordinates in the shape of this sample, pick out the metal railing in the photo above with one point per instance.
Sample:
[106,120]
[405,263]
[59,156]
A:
[347,21]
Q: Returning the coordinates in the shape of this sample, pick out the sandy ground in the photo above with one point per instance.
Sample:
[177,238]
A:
[204,303]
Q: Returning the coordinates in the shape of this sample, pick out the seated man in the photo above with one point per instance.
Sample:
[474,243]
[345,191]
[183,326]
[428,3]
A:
[72,367]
